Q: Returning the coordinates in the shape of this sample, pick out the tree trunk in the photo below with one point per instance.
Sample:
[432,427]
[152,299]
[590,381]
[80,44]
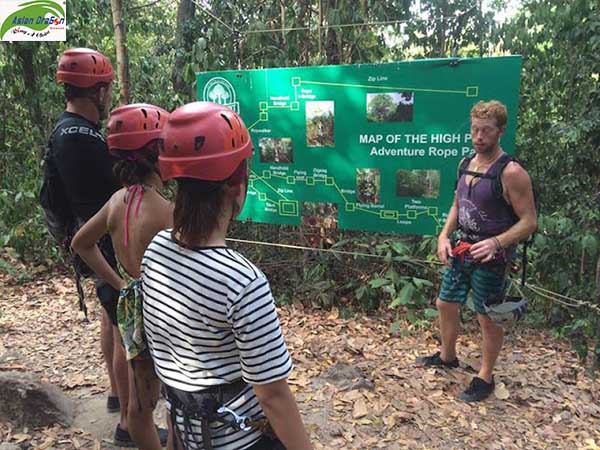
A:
[319,25]
[282,7]
[481,28]
[306,18]
[332,50]
[598,280]
[441,38]
[596,357]
[121,47]
[25,52]
[183,44]
[331,47]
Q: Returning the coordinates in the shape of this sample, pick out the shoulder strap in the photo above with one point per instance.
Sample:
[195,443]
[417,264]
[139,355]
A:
[495,173]
[463,167]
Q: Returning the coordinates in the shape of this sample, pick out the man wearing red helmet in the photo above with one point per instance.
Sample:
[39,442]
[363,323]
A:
[209,315]
[80,155]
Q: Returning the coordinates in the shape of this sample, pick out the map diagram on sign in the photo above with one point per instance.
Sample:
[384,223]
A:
[365,147]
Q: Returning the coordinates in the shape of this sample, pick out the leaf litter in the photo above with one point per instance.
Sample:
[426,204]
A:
[356,384]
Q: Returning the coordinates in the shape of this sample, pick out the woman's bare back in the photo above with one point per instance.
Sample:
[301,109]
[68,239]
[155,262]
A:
[154,213]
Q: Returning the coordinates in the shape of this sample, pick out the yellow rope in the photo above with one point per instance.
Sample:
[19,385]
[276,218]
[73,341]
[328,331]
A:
[326,250]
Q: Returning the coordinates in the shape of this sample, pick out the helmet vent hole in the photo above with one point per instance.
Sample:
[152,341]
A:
[145,127]
[94,58]
[158,114]
[119,125]
[145,113]
[227,120]
[232,142]
[198,142]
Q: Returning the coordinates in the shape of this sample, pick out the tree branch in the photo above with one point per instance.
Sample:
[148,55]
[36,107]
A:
[135,8]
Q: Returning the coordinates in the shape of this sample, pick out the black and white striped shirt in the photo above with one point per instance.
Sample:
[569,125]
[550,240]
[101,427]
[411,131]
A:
[210,319]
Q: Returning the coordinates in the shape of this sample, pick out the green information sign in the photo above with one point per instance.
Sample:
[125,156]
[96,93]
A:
[365,147]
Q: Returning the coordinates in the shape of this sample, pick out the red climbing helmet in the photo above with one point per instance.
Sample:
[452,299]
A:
[205,141]
[84,67]
[132,127]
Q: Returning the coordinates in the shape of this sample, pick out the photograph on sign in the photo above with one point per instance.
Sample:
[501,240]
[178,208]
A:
[368,184]
[320,120]
[418,183]
[320,215]
[390,107]
[276,150]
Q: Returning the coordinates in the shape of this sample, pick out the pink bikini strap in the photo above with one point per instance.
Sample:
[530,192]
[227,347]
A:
[131,191]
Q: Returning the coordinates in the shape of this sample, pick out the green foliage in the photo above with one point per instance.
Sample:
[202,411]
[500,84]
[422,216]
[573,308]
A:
[400,282]
[560,118]
[559,140]
[452,28]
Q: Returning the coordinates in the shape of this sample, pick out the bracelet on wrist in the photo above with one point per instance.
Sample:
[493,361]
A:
[498,245]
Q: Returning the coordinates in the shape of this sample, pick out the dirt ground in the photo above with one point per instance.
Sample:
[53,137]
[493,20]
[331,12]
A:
[356,384]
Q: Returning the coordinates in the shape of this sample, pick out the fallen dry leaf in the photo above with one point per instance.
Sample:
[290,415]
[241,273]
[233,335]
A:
[360,409]
[553,404]
[501,392]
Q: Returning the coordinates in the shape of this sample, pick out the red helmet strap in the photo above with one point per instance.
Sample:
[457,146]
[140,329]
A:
[235,182]
[101,92]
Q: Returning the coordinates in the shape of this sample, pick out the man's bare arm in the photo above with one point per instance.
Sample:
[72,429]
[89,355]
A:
[518,192]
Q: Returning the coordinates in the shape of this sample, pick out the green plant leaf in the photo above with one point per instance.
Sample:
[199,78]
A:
[590,245]
[430,313]
[378,282]
[404,296]
[399,247]
[420,282]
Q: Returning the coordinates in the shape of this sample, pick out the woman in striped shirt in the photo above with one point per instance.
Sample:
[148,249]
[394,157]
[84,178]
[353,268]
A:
[209,314]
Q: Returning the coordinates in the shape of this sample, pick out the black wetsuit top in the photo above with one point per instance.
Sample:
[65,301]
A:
[84,164]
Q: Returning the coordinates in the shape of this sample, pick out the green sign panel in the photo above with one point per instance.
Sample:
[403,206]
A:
[365,147]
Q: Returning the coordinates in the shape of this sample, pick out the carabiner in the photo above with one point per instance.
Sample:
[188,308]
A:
[241,421]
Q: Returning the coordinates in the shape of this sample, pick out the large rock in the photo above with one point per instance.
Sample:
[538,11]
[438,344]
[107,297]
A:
[27,401]
[341,371]
[347,377]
